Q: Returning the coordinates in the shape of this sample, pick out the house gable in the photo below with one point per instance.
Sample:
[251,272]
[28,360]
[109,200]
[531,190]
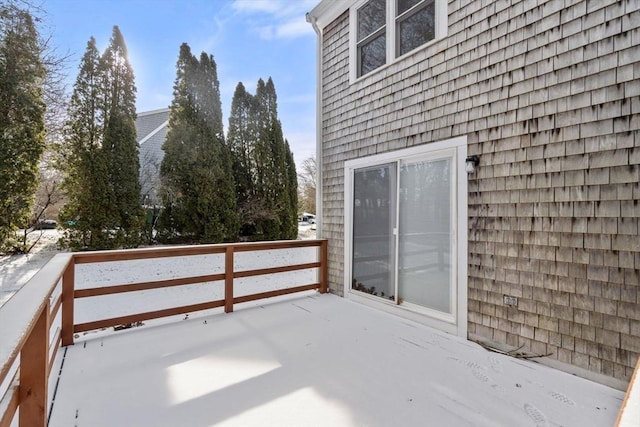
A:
[151,128]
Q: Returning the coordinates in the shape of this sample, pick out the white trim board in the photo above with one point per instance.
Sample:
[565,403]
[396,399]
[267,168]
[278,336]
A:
[153,132]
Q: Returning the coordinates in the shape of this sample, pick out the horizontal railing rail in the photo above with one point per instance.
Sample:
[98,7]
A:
[28,348]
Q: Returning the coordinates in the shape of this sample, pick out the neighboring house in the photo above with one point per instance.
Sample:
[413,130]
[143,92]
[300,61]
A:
[538,249]
[151,127]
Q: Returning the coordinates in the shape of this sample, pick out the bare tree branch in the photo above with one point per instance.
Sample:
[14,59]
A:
[307,186]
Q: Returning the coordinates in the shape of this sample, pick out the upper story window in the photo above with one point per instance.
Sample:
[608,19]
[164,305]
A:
[372,36]
[415,24]
[383,30]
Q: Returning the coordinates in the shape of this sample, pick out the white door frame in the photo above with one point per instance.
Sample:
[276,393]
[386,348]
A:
[457,323]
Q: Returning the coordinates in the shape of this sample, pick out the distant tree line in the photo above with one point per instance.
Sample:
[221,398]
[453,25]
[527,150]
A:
[213,189]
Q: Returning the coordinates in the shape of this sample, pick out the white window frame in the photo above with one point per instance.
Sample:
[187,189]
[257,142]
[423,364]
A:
[456,323]
[391,35]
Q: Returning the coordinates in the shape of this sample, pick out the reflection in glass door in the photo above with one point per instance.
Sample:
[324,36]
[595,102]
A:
[374,218]
[425,234]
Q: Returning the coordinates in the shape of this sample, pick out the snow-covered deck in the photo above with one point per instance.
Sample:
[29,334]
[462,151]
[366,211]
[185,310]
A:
[311,360]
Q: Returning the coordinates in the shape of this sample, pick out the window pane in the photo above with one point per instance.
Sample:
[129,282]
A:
[404,5]
[424,245]
[372,54]
[374,209]
[417,29]
[371,17]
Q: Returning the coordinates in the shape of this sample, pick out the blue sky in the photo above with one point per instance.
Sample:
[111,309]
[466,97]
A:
[249,39]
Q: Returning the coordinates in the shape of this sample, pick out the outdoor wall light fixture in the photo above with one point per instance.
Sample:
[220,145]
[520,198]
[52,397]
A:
[471,163]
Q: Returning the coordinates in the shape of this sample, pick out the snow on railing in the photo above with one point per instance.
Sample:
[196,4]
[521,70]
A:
[25,359]
[28,346]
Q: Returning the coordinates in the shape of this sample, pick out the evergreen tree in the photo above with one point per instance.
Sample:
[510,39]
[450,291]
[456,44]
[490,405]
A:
[22,110]
[101,157]
[119,146]
[278,186]
[241,139]
[267,220]
[196,171]
[290,230]
[87,211]
[262,158]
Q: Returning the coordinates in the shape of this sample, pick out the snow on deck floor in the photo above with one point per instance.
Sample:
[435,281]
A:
[315,360]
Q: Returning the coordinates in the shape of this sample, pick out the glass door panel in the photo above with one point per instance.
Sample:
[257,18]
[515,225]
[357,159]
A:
[374,218]
[425,234]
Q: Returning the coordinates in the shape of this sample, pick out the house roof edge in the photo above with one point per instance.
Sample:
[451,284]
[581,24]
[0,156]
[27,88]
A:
[327,11]
[150,112]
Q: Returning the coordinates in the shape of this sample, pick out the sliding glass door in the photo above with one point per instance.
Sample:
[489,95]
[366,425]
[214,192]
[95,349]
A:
[374,243]
[425,240]
[403,232]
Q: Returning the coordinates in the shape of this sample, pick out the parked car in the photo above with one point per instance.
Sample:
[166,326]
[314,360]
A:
[46,224]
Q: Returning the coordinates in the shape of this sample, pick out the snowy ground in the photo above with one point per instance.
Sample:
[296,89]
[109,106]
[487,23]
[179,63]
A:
[313,360]
[306,231]
[16,270]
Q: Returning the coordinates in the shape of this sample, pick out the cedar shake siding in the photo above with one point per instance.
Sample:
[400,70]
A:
[547,94]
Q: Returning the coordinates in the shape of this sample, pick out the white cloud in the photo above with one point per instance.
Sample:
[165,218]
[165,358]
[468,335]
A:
[285,18]
[294,28]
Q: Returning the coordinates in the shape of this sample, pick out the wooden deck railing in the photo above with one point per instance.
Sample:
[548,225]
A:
[28,347]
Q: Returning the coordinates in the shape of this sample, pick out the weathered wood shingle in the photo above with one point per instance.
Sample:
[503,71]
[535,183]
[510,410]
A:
[548,95]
